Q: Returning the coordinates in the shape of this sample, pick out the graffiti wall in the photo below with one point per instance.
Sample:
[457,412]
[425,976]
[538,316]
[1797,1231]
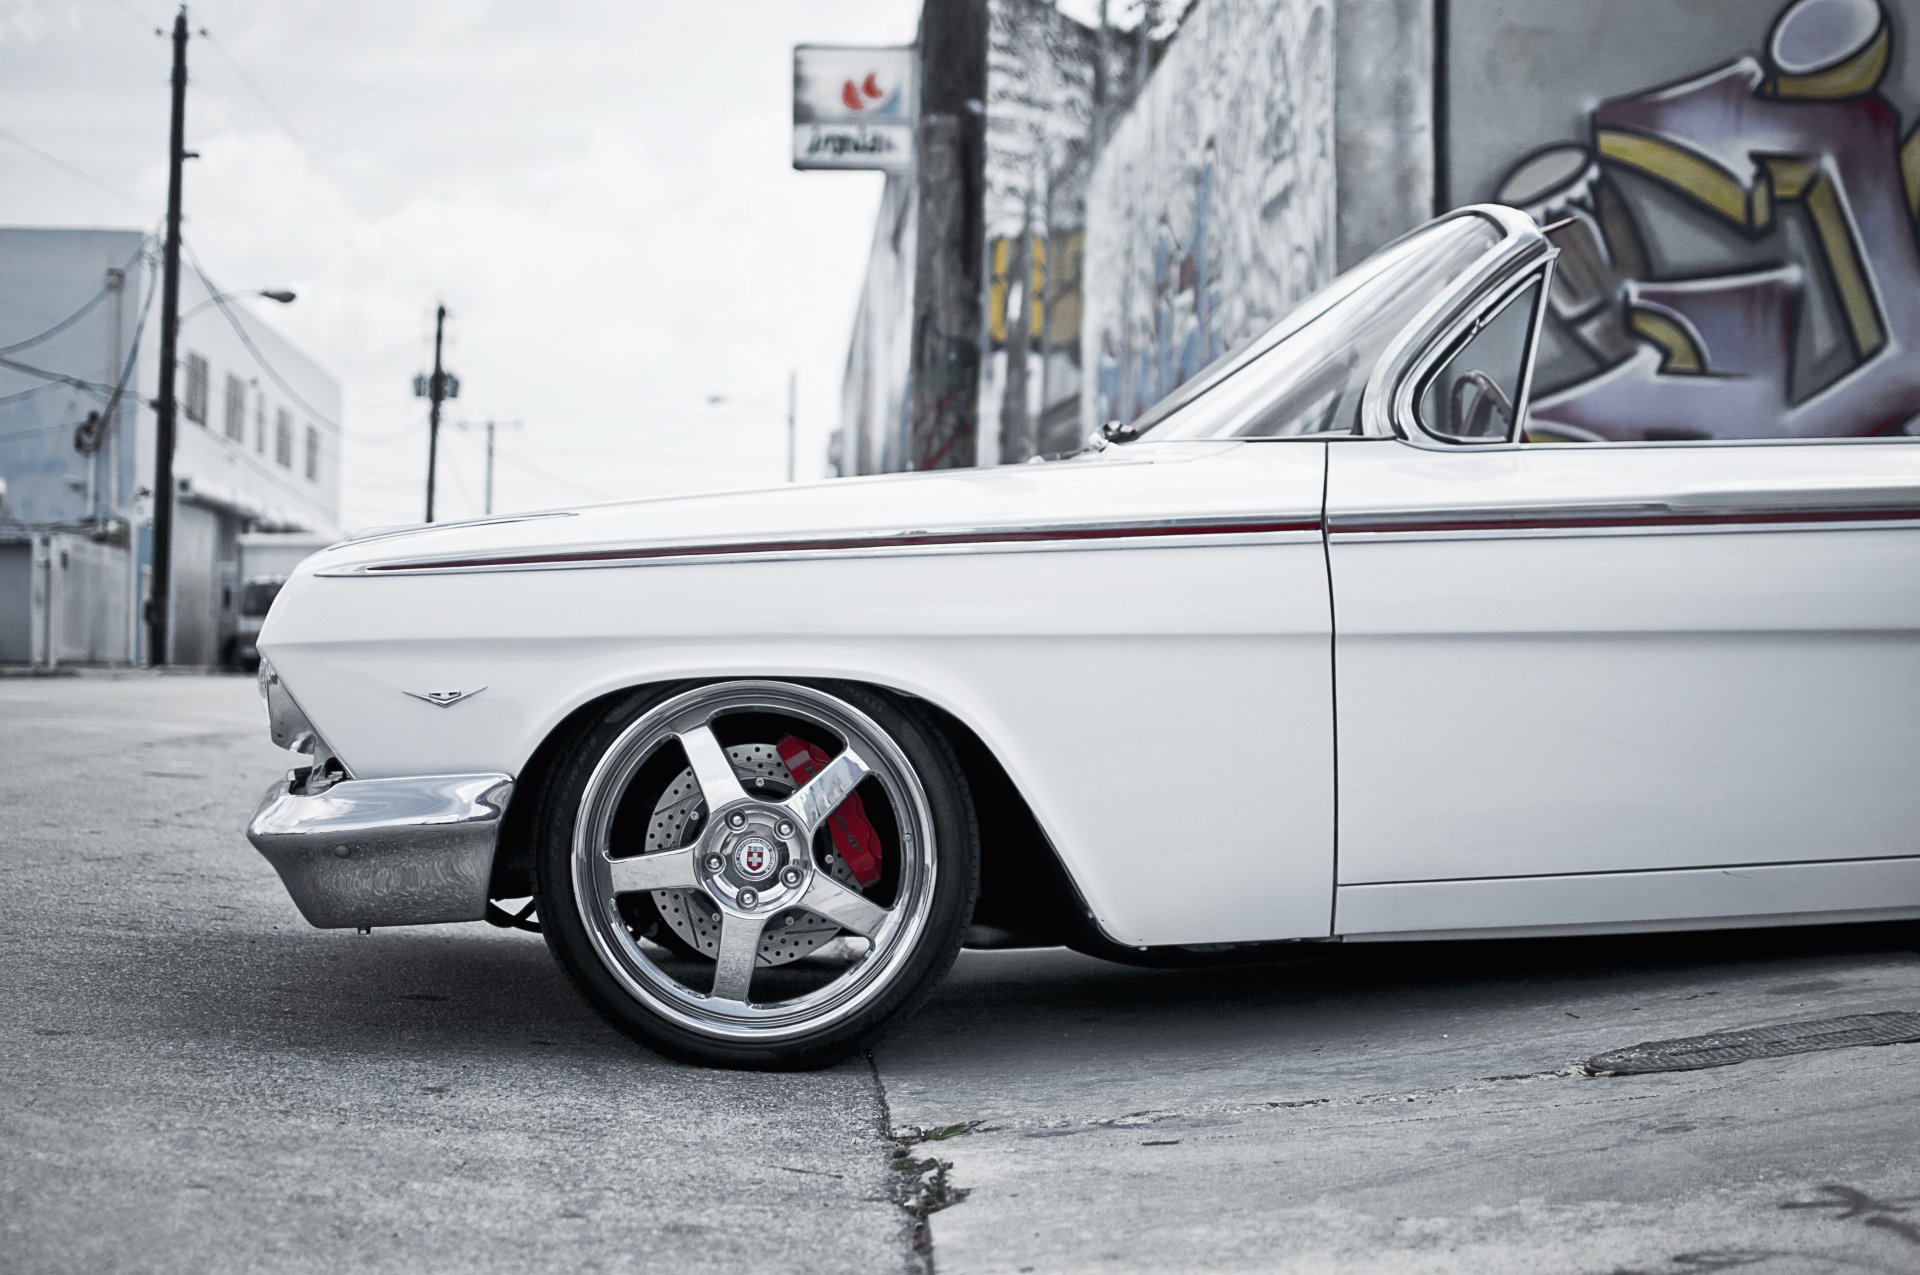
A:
[1739,184]
[1211,210]
[1040,87]
[1040,107]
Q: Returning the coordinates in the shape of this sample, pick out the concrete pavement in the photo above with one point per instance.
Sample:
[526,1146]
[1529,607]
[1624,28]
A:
[191,1078]
[1416,1109]
[195,1080]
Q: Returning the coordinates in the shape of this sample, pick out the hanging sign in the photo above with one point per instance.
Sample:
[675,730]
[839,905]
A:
[853,108]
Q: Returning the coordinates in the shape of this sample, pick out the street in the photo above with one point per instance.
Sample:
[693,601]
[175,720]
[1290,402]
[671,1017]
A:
[194,1079]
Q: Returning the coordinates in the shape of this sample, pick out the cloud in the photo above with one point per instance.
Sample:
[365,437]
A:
[600,194]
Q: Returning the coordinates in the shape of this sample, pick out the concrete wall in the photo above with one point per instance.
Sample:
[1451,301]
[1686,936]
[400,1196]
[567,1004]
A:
[874,391]
[1384,139]
[1212,207]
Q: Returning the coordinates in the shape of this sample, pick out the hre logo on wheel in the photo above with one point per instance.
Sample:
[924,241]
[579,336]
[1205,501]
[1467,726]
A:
[754,858]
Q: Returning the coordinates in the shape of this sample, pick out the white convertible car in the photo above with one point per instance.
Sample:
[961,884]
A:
[1322,649]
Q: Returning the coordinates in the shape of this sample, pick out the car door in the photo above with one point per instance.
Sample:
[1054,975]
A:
[1616,684]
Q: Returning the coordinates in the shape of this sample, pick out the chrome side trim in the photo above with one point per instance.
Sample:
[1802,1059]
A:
[1158,533]
[1715,513]
[367,852]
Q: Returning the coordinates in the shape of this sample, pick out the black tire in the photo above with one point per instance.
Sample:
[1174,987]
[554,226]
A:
[911,972]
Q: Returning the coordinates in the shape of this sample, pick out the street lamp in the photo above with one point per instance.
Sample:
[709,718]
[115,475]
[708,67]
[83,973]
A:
[283,295]
[718,400]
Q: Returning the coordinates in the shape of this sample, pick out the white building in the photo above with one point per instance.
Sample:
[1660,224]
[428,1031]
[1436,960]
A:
[258,448]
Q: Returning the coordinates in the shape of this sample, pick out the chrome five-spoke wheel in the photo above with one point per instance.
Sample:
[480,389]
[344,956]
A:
[756,873]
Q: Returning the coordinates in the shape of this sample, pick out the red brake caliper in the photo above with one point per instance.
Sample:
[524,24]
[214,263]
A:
[853,837]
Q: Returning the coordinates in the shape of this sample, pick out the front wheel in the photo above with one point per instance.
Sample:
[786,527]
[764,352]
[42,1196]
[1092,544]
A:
[756,873]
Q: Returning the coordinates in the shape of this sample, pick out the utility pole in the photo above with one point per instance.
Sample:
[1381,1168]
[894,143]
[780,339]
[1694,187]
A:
[488,509]
[159,600]
[436,388]
[1102,57]
[793,388]
[950,184]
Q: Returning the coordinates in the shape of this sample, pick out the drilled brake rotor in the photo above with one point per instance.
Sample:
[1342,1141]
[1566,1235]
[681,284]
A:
[693,916]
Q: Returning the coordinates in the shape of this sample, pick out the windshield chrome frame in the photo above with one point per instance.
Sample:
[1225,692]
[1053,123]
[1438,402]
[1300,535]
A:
[1523,254]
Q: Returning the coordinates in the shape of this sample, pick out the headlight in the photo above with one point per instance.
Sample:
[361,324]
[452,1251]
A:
[285,722]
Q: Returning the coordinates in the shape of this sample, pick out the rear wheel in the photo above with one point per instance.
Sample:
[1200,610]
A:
[756,873]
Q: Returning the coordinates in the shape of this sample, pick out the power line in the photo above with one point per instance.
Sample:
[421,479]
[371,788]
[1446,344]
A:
[522,462]
[69,169]
[17,395]
[459,483]
[285,125]
[139,17]
[246,339]
[40,429]
[101,419]
[104,417]
[78,383]
[220,303]
[77,315]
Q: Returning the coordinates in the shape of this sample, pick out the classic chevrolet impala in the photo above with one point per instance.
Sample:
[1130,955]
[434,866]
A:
[761,762]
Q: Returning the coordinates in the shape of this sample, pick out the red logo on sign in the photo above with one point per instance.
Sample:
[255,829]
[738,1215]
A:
[851,93]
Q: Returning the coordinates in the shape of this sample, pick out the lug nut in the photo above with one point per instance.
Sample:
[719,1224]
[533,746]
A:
[785,829]
[736,820]
[790,877]
[715,863]
[748,898]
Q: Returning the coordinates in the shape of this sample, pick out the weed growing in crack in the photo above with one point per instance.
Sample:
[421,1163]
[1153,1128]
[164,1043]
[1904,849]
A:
[922,1187]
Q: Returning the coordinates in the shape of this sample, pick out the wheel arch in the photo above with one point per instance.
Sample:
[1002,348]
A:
[1027,896]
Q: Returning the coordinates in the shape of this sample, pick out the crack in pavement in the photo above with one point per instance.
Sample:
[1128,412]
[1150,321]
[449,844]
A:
[1146,1119]
[908,1187]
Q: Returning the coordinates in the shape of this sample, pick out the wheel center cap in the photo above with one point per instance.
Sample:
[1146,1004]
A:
[755,858]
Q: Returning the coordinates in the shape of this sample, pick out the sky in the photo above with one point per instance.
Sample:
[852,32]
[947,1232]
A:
[601,194]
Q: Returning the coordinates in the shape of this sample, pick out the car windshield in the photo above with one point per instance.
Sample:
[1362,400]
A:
[258,595]
[1304,375]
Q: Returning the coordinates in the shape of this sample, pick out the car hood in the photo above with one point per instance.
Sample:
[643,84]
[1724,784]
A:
[1139,482]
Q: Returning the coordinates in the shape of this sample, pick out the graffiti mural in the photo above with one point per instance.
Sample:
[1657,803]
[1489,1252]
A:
[1040,109]
[1797,165]
[1211,211]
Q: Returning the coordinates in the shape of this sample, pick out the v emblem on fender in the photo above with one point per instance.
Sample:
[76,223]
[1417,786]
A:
[444,698]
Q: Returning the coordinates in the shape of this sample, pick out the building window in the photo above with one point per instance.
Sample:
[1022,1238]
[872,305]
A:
[313,454]
[260,424]
[236,408]
[283,438]
[195,404]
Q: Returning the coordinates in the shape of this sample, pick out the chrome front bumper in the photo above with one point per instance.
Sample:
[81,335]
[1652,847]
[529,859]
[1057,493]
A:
[367,852]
